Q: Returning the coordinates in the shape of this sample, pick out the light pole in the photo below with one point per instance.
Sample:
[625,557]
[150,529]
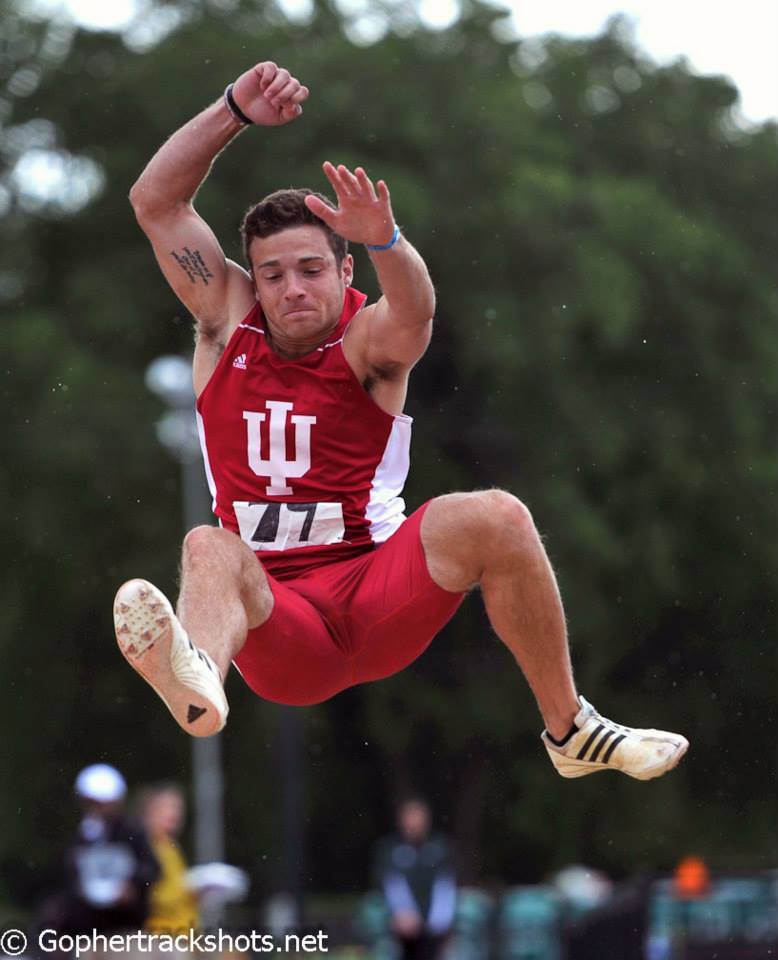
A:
[170,378]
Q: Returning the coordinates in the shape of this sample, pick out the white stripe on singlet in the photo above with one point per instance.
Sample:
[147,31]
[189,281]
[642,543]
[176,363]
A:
[206,461]
[385,506]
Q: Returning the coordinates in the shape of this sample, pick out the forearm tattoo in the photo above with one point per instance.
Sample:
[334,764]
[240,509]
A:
[193,265]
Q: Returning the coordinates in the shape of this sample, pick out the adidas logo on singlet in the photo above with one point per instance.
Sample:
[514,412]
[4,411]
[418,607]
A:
[240,362]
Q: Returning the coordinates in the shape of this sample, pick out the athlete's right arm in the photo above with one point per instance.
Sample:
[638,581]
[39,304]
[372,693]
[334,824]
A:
[215,290]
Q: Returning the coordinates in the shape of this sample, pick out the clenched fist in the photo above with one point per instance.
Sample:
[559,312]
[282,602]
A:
[269,95]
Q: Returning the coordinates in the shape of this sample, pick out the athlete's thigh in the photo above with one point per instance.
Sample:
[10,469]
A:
[397,608]
[292,657]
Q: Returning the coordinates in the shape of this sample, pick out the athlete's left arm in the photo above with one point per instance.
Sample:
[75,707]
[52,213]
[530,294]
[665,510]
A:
[396,330]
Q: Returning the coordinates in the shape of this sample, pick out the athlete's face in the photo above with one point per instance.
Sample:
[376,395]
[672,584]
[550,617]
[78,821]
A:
[299,285]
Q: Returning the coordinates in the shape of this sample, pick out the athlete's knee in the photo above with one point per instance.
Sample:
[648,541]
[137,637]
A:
[201,543]
[500,520]
[204,546]
[510,513]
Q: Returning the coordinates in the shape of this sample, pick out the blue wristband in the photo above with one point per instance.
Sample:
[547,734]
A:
[386,246]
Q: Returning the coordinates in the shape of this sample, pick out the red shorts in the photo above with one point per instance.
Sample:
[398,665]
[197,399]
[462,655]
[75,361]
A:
[347,622]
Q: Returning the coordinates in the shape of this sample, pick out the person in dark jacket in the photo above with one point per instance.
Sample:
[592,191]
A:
[415,873]
[109,866]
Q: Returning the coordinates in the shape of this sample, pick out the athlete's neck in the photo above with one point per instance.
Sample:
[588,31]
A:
[291,348]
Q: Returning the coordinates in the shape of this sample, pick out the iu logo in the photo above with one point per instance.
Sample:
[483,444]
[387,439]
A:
[275,465]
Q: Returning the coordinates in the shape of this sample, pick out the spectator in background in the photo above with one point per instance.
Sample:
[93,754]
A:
[109,866]
[415,873]
[173,905]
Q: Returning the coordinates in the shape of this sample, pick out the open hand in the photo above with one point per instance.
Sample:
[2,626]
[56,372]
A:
[269,95]
[364,212]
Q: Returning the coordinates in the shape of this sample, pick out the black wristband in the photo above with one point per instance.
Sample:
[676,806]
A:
[234,109]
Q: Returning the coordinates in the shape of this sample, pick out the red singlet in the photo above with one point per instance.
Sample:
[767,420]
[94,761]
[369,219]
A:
[301,461]
[308,470]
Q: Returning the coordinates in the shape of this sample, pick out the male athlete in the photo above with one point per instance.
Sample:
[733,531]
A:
[314,580]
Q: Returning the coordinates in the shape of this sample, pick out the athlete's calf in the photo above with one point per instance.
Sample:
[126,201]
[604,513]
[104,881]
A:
[489,539]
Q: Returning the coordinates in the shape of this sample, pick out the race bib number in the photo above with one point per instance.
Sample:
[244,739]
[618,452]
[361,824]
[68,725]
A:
[283,526]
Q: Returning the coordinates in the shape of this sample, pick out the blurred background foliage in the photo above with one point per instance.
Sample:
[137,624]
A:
[603,241]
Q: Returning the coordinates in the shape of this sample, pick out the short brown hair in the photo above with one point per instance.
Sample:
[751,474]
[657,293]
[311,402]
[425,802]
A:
[283,209]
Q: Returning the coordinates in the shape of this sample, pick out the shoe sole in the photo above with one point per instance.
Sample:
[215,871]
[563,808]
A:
[569,767]
[143,619]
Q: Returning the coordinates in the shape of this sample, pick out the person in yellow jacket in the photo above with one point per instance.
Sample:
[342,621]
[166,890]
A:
[173,907]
